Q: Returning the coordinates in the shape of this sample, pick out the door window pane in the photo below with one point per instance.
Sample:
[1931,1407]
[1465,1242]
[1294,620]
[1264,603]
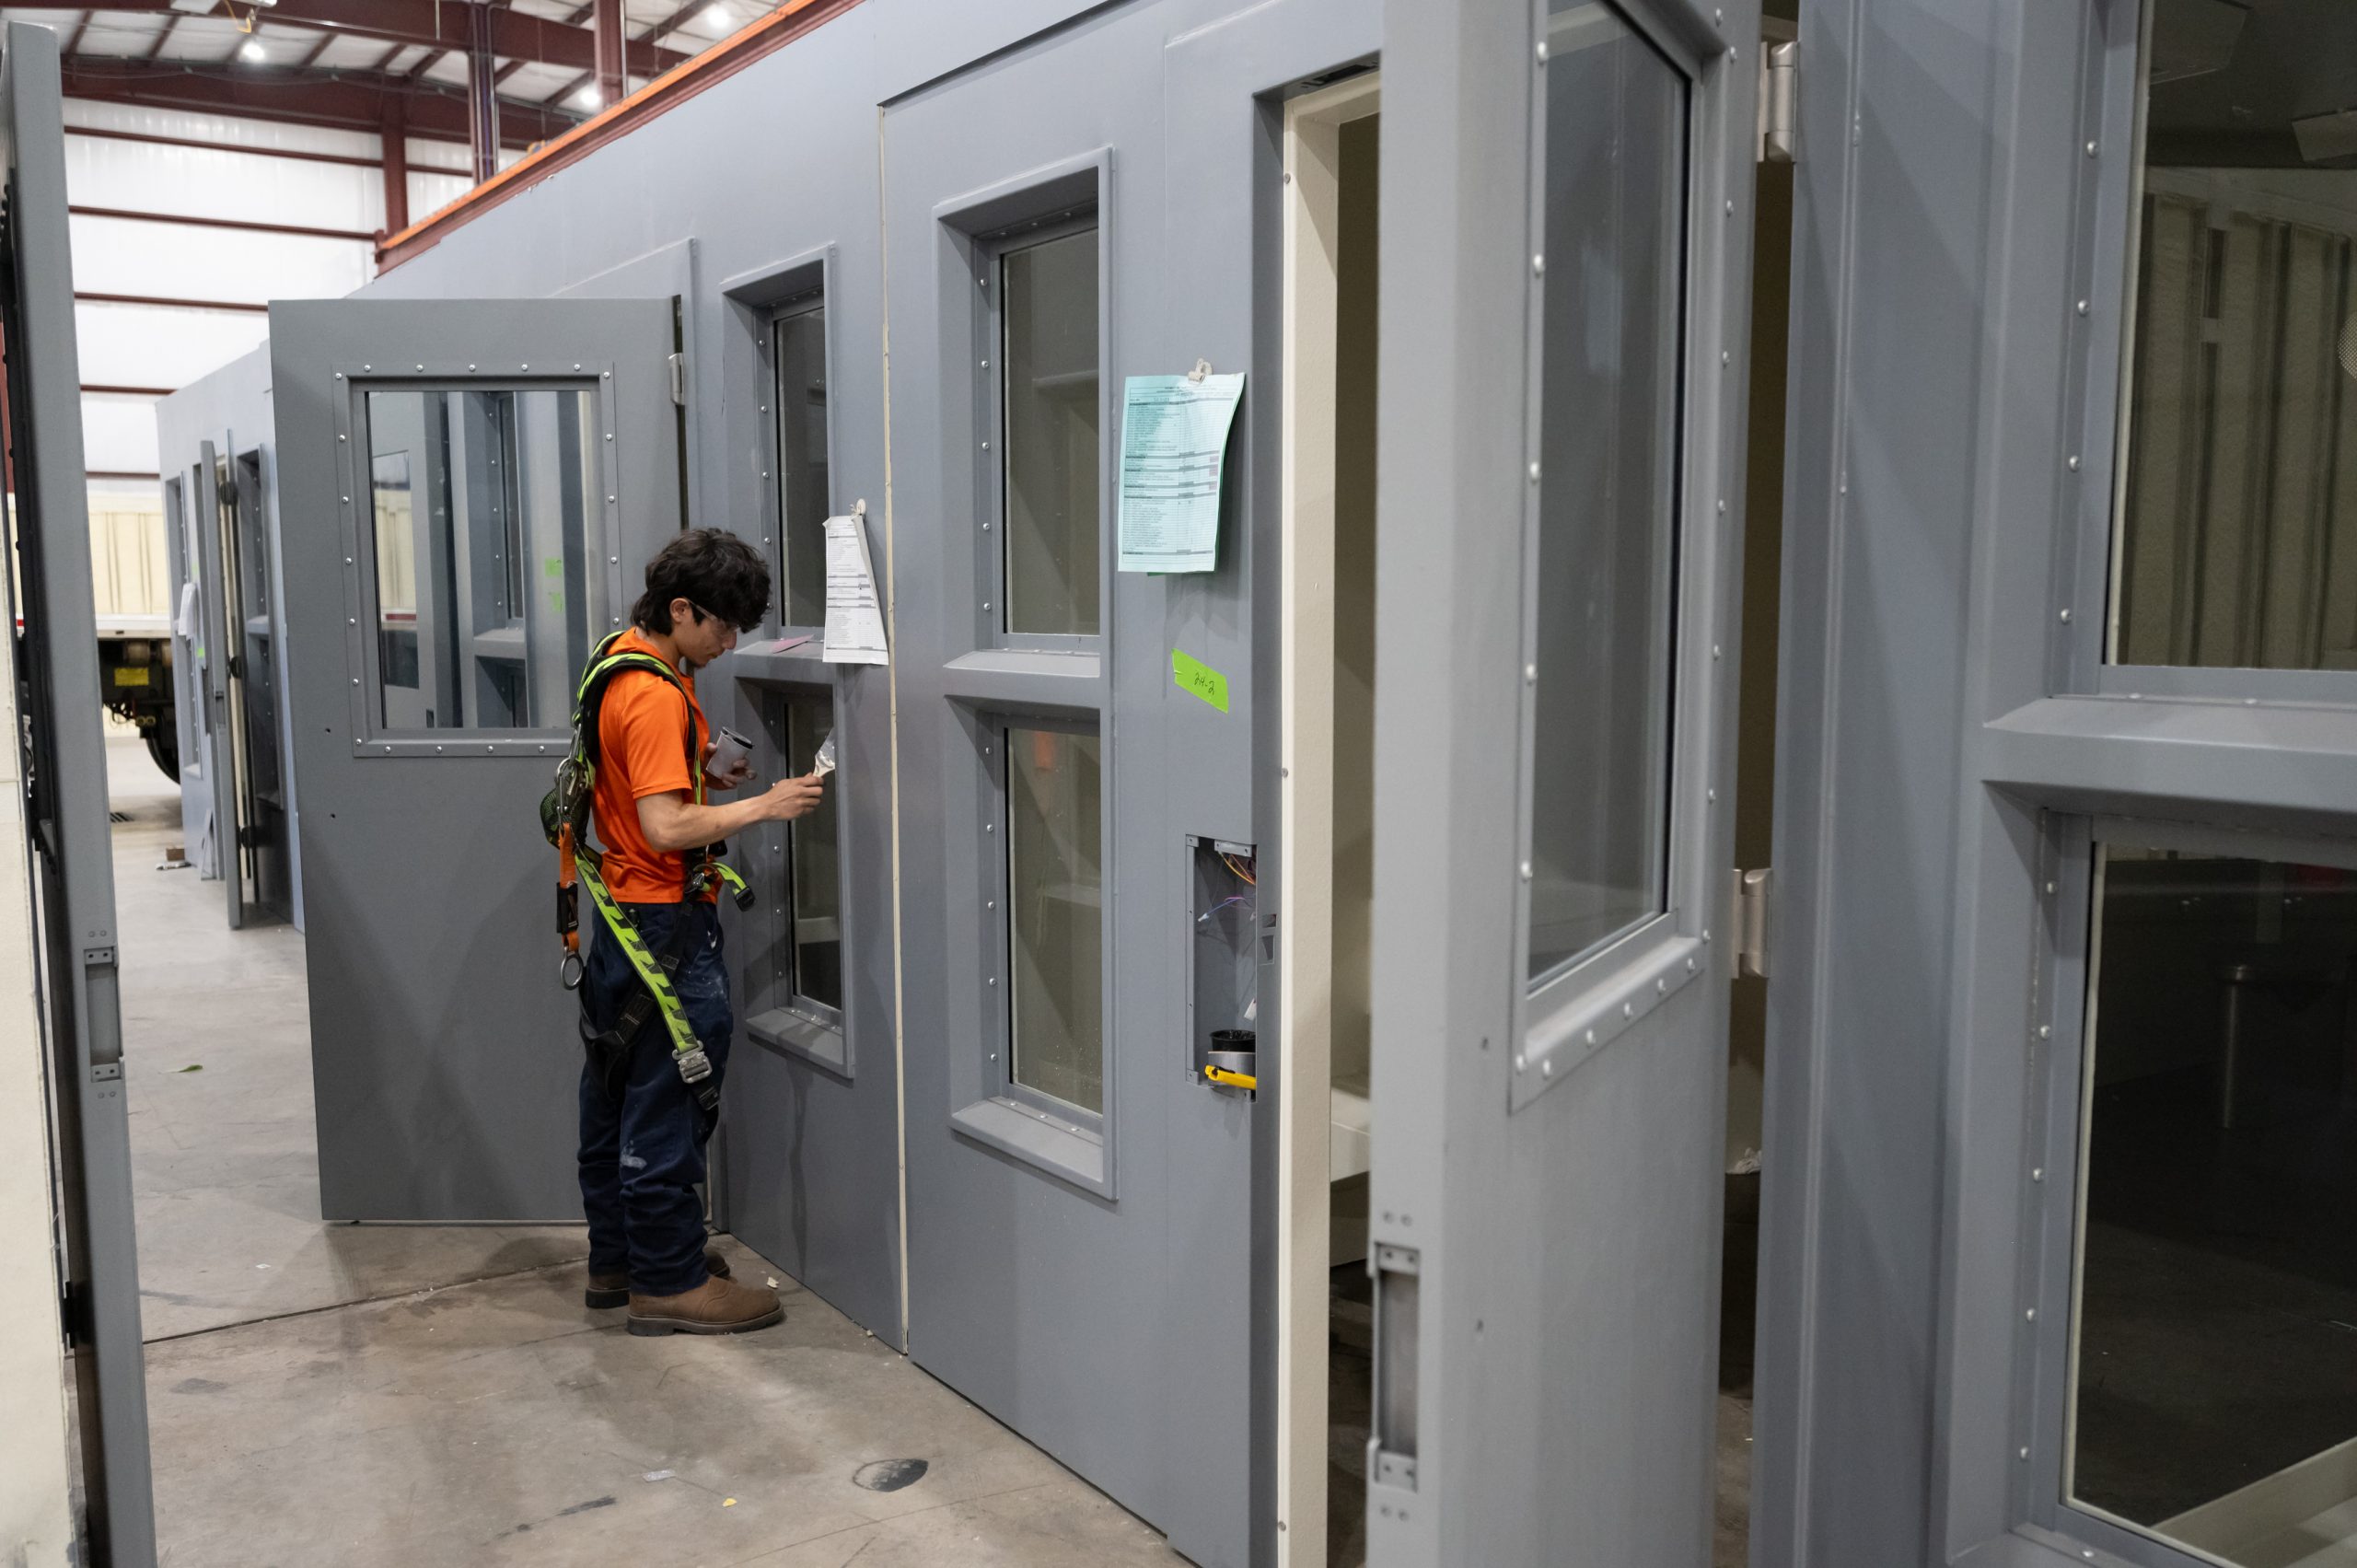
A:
[486,588]
[2237,527]
[2215,1368]
[1055,916]
[800,346]
[818,907]
[1048,299]
[1608,504]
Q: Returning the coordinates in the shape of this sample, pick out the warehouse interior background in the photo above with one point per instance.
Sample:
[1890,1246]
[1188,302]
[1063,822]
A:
[307,1378]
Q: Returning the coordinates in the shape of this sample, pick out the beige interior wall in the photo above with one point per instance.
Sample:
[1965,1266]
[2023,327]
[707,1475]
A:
[1353,784]
[130,571]
[36,1528]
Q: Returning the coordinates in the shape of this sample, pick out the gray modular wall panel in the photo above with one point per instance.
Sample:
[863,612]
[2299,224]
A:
[1888,276]
[1962,191]
[1068,1312]
[1050,1305]
[806,1159]
[231,408]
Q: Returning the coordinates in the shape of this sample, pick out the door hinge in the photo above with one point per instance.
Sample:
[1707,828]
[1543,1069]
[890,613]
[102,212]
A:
[74,1314]
[1780,85]
[1749,923]
[678,364]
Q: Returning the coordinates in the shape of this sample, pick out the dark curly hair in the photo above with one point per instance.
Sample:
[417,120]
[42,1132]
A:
[719,573]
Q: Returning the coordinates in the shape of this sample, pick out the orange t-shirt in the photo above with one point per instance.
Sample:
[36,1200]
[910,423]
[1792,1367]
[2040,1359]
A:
[641,750]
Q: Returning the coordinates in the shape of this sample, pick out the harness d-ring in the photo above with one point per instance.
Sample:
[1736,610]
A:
[568,970]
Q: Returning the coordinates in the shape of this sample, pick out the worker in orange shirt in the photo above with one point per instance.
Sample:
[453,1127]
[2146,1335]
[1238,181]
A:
[647,1103]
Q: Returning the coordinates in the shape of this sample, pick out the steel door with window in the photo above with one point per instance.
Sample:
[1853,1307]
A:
[472,490]
[1549,946]
[64,760]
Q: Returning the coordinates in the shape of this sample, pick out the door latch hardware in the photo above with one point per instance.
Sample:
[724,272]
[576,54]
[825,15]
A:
[679,365]
[1391,1450]
[1751,922]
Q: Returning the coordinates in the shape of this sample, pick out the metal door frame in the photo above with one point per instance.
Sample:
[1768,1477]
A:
[73,859]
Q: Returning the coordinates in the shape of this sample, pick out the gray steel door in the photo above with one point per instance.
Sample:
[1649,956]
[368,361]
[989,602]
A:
[471,491]
[1567,192]
[55,664]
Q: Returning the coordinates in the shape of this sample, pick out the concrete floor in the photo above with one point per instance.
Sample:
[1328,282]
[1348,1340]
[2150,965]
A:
[402,1394]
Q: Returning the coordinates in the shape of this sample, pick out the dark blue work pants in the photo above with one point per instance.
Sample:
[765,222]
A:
[641,1151]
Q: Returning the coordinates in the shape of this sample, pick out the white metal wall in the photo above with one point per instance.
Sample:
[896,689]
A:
[152,346]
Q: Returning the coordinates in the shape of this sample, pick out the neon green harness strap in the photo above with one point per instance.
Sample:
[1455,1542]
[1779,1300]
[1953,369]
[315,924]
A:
[702,869]
[641,958]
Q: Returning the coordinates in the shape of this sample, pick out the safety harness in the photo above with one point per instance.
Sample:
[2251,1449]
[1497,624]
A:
[566,813]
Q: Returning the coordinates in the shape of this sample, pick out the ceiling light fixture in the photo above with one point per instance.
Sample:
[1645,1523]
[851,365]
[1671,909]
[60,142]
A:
[718,16]
[590,98]
[252,50]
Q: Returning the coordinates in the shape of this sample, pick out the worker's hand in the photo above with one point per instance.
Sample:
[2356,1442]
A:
[738,774]
[790,798]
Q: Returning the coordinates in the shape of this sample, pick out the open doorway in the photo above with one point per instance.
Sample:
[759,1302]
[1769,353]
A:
[1332,161]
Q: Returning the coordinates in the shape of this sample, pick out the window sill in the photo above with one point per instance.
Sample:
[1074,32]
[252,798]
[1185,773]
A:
[766,664]
[1031,1136]
[781,1028]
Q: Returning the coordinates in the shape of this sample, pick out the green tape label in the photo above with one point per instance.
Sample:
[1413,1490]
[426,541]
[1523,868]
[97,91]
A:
[1197,679]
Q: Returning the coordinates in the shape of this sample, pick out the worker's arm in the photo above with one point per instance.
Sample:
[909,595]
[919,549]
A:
[671,822]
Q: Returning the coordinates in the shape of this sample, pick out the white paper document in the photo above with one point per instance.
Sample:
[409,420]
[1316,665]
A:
[1173,445]
[854,613]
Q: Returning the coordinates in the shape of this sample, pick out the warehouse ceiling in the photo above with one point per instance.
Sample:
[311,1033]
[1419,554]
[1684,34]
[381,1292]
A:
[335,62]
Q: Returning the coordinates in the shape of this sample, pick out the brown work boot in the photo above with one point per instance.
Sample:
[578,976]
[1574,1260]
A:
[715,1306]
[613,1290]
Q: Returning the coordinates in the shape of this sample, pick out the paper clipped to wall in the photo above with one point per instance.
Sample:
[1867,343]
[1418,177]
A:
[1174,445]
[854,613]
